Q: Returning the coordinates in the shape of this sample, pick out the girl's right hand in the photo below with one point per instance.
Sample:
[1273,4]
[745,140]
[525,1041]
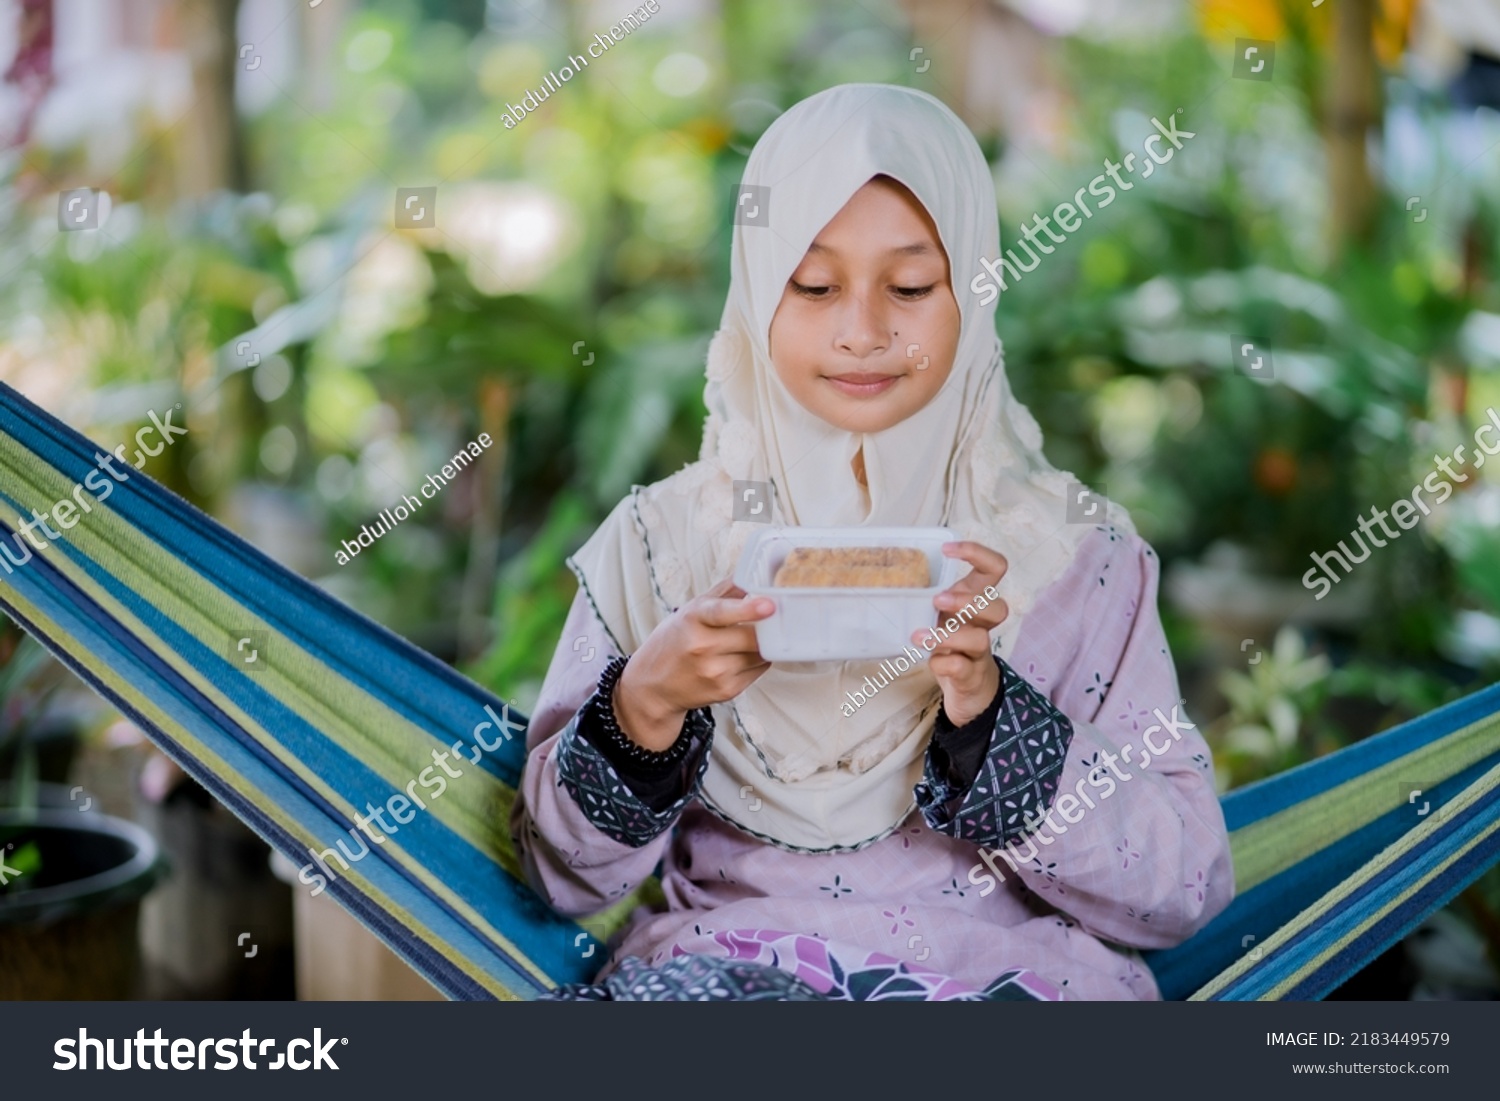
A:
[704,653]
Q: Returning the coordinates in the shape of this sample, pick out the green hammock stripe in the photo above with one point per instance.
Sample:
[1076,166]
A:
[124,565]
[300,680]
[1423,858]
[1273,844]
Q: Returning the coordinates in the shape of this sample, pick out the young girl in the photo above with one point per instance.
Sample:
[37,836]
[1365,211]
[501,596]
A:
[809,849]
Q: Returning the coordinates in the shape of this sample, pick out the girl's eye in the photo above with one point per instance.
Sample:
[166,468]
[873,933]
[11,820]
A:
[915,292]
[809,292]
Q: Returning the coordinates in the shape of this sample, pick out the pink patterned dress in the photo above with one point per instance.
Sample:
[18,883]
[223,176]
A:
[1085,769]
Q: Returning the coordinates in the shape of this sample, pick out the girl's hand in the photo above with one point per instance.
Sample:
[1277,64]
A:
[704,653]
[961,662]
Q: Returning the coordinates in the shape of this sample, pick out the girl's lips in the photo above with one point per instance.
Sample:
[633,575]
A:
[862,386]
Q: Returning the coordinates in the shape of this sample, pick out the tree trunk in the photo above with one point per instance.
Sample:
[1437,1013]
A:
[1353,111]
[210,149]
[484,529]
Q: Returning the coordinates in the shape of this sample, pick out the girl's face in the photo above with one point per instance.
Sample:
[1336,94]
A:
[867,327]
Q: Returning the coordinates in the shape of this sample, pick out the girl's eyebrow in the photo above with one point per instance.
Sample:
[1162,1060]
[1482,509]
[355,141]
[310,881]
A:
[900,250]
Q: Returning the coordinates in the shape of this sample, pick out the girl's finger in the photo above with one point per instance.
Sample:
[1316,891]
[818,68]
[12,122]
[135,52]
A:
[979,556]
[740,639]
[731,682]
[967,589]
[954,667]
[725,612]
[725,587]
[971,640]
[755,668]
[738,667]
[988,567]
[991,615]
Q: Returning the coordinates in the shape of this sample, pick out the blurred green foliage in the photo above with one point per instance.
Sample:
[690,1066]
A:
[580,262]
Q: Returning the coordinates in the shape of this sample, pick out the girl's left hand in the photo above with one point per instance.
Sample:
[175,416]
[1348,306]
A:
[961,662]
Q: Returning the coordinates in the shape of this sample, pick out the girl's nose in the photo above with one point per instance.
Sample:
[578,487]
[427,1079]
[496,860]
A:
[862,330]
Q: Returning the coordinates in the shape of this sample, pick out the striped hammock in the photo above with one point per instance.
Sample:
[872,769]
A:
[300,714]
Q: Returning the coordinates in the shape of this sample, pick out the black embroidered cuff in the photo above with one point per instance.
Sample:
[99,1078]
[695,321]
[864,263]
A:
[608,798]
[958,751]
[656,785]
[657,778]
[1017,778]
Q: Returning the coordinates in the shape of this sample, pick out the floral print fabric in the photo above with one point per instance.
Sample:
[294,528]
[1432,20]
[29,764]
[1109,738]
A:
[768,965]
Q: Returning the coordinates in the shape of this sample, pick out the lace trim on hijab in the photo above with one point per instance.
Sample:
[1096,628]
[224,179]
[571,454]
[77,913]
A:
[588,593]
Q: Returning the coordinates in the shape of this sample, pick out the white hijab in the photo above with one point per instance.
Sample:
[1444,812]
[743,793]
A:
[787,764]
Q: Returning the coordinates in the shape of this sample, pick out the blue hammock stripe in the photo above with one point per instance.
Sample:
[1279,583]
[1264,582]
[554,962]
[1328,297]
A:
[145,596]
[293,749]
[1380,903]
[453,982]
[1448,750]
[241,776]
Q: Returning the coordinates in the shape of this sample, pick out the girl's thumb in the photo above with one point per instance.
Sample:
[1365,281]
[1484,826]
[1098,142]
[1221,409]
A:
[726,587]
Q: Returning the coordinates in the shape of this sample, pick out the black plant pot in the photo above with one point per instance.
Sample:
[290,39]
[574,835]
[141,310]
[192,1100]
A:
[69,930]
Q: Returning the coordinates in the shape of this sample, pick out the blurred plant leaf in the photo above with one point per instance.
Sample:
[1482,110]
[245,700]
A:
[532,600]
[468,336]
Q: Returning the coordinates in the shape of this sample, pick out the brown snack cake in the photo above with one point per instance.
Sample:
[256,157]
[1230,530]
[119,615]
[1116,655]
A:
[853,567]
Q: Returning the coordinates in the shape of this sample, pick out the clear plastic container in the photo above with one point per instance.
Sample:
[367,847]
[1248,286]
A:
[839,623]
